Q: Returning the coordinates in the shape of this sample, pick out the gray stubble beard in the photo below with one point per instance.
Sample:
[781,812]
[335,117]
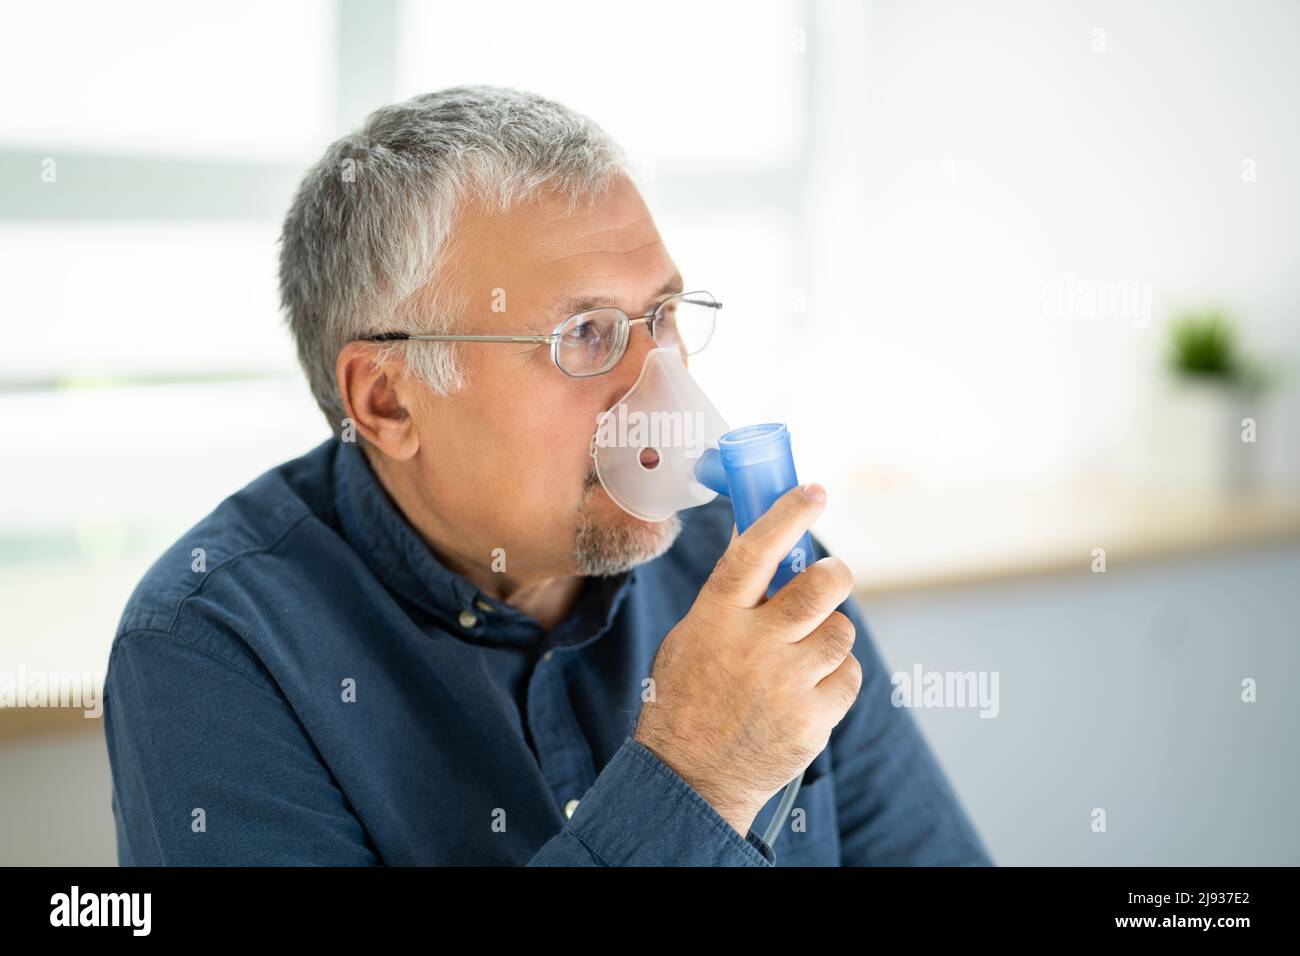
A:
[602,551]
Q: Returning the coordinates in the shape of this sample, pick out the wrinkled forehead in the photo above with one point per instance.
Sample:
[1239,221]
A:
[539,261]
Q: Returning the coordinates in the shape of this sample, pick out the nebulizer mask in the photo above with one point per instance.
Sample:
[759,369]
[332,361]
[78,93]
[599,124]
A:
[663,447]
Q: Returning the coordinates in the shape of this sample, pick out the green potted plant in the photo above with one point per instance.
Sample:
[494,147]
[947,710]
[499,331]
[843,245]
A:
[1204,349]
[1205,442]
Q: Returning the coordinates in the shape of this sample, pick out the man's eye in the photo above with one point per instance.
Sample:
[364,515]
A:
[584,332]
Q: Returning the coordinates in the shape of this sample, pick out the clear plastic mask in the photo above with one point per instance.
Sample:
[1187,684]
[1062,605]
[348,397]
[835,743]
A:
[646,446]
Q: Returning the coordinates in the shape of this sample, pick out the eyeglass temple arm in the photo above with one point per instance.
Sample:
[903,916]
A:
[403,336]
[714,304]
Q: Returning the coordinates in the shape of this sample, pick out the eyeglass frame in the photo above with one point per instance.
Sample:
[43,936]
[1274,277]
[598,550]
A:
[554,337]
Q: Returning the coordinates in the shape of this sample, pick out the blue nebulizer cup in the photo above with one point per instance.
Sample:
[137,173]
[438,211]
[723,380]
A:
[754,466]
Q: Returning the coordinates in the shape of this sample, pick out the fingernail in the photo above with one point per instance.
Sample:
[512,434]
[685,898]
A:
[814,491]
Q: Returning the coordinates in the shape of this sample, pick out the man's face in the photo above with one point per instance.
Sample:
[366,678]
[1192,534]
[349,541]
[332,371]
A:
[505,462]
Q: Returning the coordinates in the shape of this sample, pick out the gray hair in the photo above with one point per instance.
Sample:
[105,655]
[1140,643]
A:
[364,241]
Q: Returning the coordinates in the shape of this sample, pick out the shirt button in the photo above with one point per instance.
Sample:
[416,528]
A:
[569,808]
[468,619]
[483,606]
[548,655]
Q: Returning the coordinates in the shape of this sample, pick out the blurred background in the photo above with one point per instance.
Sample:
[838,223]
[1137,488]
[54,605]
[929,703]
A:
[1023,277]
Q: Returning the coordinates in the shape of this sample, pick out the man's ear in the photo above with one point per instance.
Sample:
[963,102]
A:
[377,397]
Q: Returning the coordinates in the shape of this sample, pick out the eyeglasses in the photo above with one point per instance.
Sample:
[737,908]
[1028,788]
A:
[591,343]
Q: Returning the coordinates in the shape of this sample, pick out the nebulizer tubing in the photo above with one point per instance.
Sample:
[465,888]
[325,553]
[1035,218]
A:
[696,458]
[777,823]
[754,466]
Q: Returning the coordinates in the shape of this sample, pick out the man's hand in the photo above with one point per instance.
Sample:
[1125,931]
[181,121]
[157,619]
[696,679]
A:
[748,690]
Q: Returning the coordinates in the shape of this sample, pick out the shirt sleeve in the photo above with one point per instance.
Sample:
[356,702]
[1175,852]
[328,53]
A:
[211,767]
[894,804]
[640,812]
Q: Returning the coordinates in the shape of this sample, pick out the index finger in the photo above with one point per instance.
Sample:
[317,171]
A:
[746,568]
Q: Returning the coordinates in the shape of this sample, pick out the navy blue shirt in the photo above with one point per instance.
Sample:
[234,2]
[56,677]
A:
[299,680]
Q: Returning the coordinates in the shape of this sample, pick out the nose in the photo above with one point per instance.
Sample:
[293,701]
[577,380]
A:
[640,341]
[628,368]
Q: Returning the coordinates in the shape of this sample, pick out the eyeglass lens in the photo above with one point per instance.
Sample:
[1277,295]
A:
[587,342]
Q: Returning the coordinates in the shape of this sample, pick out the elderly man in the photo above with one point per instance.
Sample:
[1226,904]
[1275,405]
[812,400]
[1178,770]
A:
[436,638]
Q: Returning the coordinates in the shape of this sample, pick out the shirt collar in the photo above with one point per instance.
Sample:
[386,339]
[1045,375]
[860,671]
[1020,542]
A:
[389,544]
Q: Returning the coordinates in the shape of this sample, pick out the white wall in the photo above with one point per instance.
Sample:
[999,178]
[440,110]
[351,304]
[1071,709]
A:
[970,155]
